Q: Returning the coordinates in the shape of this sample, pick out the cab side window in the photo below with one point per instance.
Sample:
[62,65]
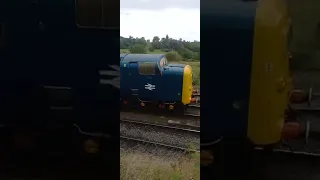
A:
[147,68]
[97,13]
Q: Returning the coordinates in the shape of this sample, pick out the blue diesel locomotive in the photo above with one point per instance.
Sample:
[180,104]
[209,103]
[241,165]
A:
[251,40]
[148,79]
[53,55]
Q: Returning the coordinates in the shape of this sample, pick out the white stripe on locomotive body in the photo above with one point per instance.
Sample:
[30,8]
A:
[115,81]
[114,72]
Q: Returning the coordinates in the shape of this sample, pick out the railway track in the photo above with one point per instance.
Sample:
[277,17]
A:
[307,109]
[194,108]
[294,152]
[175,137]
[192,112]
[196,95]
[179,127]
[137,141]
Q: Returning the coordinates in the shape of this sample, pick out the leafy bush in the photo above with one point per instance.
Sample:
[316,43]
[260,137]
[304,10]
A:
[151,49]
[138,49]
[173,56]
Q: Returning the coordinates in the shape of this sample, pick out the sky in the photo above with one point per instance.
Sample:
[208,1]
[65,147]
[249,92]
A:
[149,18]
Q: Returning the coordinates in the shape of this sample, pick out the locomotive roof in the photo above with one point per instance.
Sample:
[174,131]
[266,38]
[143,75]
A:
[141,57]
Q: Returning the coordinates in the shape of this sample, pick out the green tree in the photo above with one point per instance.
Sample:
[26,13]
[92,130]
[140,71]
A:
[156,42]
[141,41]
[151,49]
[196,56]
[173,56]
[187,50]
[186,53]
[138,49]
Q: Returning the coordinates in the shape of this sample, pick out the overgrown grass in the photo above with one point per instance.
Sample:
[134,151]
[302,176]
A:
[139,166]
[124,51]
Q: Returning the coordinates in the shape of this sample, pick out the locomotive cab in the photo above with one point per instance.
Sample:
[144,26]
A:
[251,43]
[149,79]
[62,85]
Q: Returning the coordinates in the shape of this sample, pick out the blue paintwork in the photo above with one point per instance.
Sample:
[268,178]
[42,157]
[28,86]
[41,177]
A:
[172,81]
[168,85]
[142,57]
[56,53]
[177,65]
[228,26]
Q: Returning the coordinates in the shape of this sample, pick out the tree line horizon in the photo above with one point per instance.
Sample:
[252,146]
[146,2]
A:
[179,49]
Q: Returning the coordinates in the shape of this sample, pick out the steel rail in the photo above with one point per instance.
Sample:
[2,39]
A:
[183,127]
[136,140]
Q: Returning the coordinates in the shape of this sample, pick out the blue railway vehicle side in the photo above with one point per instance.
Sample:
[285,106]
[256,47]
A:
[250,40]
[149,79]
[53,62]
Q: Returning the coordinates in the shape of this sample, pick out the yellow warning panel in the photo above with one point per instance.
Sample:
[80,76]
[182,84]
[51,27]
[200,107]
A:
[187,85]
[270,80]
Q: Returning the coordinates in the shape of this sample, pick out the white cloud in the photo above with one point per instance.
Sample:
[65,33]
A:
[163,4]
[177,23]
